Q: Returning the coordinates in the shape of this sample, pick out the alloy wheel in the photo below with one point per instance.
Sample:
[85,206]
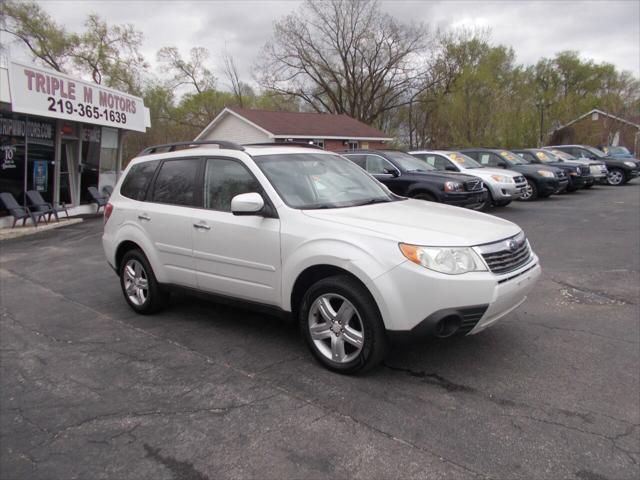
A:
[136,283]
[615,177]
[528,191]
[336,328]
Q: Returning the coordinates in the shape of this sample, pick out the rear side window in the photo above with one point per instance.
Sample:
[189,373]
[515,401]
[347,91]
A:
[138,179]
[176,182]
[223,180]
[528,157]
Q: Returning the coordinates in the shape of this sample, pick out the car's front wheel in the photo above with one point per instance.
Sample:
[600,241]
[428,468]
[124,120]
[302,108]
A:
[342,326]
[615,177]
[530,192]
[139,285]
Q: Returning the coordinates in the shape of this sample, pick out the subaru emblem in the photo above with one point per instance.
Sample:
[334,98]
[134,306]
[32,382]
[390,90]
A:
[513,245]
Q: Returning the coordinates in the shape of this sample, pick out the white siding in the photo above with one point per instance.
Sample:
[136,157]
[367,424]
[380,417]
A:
[232,129]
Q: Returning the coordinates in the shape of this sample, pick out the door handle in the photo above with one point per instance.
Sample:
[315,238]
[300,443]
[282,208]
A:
[144,217]
[202,226]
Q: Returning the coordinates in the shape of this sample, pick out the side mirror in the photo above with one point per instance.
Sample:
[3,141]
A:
[392,171]
[501,165]
[451,168]
[247,204]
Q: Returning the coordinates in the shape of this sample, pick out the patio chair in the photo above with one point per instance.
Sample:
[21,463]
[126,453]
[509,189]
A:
[99,200]
[40,205]
[18,212]
[107,190]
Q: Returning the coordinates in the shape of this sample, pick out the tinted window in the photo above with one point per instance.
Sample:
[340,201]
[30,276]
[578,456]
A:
[357,159]
[223,180]
[490,159]
[377,165]
[176,182]
[138,179]
[528,156]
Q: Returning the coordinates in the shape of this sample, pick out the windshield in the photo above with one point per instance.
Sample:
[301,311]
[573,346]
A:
[408,162]
[314,180]
[597,153]
[563,155]
[545,157]
[618,151]
[510,157]
[463,160]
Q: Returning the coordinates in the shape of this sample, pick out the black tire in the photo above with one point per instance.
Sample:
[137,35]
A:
[503,203]
[488,202]
[374,346]
[425,196]
[588,186]
[156,297]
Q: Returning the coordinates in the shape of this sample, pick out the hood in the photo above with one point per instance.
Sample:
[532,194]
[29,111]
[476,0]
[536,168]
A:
[620,161]
[533,168]
[488,171]
[422,223]
[444,175]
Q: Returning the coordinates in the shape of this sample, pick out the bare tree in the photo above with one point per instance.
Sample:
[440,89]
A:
[192,72]
[231,72]
[345,56]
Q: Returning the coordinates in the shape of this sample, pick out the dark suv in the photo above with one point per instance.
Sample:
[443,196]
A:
[542,181]
[407,176]
[578,174]
[620,170]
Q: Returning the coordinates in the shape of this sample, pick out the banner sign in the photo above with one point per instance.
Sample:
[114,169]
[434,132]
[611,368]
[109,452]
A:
[40,175]
[47,93]
[14,127]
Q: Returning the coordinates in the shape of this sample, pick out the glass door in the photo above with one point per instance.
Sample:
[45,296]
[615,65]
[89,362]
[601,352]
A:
[67,165]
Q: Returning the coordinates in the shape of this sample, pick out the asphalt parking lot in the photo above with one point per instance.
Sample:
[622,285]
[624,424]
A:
[90,390]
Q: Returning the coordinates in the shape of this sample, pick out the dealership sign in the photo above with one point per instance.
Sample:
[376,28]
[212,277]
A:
[38,91]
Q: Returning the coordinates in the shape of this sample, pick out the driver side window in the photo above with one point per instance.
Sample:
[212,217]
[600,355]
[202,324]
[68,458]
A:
[377,165]
[223,180]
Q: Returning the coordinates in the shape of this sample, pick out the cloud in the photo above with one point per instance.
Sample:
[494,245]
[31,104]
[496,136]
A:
[605,31]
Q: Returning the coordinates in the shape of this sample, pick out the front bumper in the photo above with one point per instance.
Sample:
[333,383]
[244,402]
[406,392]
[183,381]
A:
[577,181]
[408,294]
[465,199]
[506,191]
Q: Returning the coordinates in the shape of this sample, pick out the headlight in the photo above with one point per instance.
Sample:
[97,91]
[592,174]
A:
[630,164]
[449,260]
[453,187]
[546,173]
[502,179]
[578,171]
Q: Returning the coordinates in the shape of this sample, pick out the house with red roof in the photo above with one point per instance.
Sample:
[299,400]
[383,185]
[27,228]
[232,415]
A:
[332,132]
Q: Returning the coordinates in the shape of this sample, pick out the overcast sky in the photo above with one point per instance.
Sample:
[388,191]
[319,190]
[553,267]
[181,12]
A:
[605,31]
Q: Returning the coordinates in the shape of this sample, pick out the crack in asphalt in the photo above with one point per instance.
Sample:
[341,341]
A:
[588,291]
[553,327]
[180,469]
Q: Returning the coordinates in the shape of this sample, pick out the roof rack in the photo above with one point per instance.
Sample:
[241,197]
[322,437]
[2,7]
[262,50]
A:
[285,144]
[171,147]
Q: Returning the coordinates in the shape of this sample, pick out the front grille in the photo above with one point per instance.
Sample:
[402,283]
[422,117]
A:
[561,174]
[506,255]
[473,185]
[519,179]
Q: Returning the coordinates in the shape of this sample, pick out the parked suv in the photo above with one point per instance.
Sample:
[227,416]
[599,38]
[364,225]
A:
[542,181]
[407,176]
[619,171]
[577,174]
[597,169]
[503,186]
[308,233]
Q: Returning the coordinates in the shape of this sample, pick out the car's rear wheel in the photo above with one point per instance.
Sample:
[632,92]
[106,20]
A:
[342,326]
[530,192]
[615,177]
[139,285]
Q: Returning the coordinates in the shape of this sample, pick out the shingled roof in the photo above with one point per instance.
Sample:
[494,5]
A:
[299,124]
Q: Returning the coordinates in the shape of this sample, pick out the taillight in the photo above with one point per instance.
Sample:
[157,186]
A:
[108,209]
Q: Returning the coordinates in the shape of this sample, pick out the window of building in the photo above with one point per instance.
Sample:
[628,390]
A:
[318,143]
[353,144]
[223,180]
[138,179]
[176,182]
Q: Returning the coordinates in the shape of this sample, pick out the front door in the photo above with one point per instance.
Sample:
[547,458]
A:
[237,256]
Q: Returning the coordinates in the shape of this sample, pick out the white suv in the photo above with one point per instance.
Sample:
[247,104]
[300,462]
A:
[308,232]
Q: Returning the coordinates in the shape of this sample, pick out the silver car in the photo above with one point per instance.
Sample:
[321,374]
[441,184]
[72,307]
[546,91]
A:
[503,185]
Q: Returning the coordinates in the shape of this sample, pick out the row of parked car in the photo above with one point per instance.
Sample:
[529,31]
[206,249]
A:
[482,177]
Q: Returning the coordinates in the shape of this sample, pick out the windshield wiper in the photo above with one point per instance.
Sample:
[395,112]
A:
[371,201]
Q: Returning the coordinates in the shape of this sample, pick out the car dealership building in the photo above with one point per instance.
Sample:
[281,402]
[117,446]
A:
[60,135]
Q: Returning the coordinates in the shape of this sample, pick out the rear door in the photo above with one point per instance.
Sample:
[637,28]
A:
[237,256]
[166,217]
